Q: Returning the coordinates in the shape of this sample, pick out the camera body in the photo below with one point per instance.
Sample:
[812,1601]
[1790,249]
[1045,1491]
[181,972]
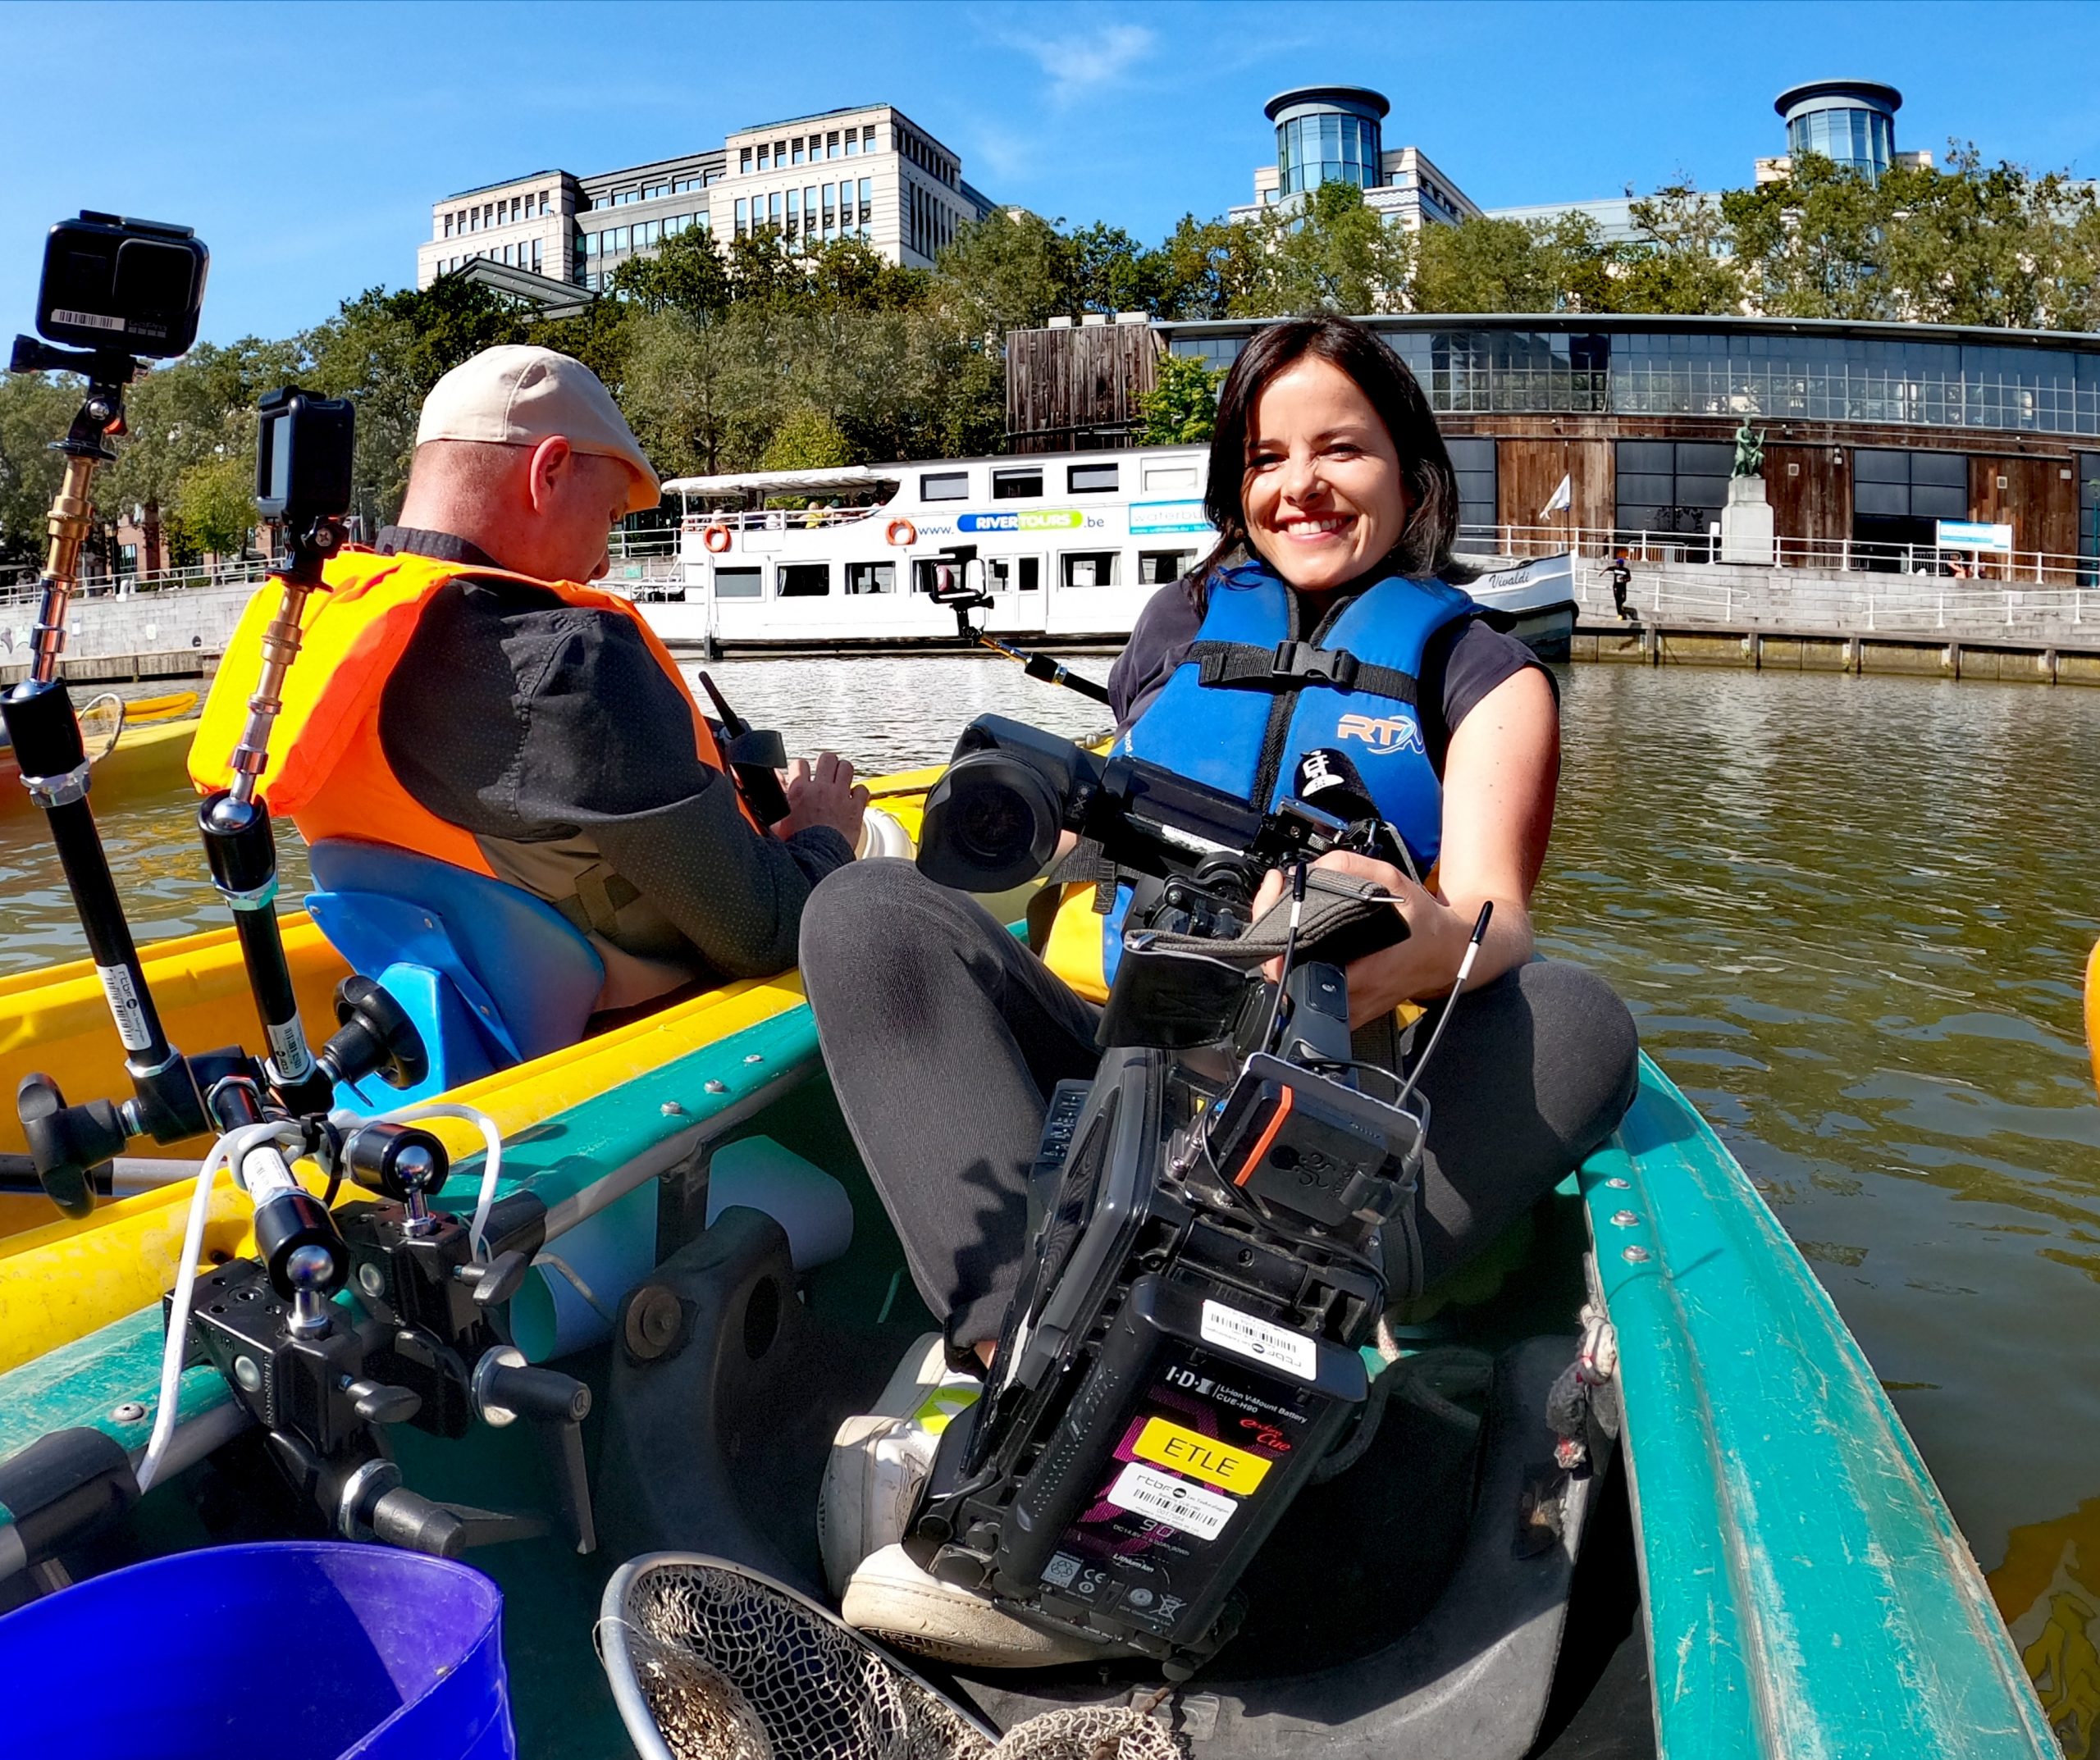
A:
[303,458]
[1182,1351]
[119,286]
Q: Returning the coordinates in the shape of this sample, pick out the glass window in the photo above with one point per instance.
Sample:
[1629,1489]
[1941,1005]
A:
[870,578]
[944,485]
[1090,567]
[763,152]
[852,143]
[743,215]
[772,207]
[1017,484]
[622,236]
[831,144]
[794,150]
[868,138]
[809,199]
[743,160]
[1158,568]
[802,581]
[1014,574]
[867,196]
[737,583]
[794,205]
[1090,478]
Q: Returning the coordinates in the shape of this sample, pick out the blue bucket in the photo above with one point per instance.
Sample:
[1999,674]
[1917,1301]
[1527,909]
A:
[300,1650]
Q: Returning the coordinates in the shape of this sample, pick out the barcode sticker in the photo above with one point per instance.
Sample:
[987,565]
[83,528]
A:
[1160,1497]
[87,320]
[287,1052]
[125,1006]
[1262,1340]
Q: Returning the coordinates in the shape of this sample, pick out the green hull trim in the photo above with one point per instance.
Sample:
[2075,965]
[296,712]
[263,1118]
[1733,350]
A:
[1807,1592]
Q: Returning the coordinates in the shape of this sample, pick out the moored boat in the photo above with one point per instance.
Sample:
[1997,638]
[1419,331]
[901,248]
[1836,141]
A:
[1067,547]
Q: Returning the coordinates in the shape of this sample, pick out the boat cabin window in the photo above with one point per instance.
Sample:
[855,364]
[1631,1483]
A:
[1090,478]
[944,485]
[1016,486]
[870,578]
[1014,574]
[932,572]
[1091,568]
[1169,476]
[802,579]
[1157,567]
[737,583]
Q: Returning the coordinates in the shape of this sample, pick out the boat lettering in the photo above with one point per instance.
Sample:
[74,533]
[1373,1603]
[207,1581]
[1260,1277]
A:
[1159,1496]
[1203,1458]
[1167,516]
[1030,519]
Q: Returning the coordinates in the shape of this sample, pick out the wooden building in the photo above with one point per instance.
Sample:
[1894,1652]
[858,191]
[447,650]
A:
[1874,434]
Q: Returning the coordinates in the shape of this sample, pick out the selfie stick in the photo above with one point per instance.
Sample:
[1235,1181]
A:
[303,478]
[46,734]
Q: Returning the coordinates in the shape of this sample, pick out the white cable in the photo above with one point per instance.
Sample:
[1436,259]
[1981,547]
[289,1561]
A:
[228,1152]
[491,1164]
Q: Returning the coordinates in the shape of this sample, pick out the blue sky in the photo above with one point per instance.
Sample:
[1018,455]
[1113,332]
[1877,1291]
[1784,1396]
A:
[306,143]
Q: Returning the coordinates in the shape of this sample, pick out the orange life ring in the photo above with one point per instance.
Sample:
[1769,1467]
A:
[716,538]
[902,533]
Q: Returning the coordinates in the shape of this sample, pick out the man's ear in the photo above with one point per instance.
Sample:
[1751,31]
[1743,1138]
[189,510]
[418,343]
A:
[547,473]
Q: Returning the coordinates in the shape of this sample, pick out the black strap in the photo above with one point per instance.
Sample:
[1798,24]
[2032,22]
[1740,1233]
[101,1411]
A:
[600,897]
[1295,666]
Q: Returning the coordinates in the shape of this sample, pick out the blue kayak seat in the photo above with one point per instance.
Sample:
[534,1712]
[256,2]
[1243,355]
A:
[492,975]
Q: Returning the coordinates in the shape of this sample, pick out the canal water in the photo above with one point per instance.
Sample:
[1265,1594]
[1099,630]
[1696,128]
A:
[1851,915]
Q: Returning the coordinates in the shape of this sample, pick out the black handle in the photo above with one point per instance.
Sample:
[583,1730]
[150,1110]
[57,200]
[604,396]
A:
[375,1036]
[61,1490]
[543,1395]
[71,1145]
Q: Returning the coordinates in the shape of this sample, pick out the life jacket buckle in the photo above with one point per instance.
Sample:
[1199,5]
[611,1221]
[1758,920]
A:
[1302,662]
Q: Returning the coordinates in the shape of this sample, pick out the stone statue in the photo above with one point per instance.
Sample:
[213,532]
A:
[1750,452]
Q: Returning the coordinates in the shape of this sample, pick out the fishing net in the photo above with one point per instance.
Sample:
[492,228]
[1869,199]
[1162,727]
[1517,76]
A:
[729,1666]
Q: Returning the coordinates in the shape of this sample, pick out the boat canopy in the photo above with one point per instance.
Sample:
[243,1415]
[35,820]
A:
[839,480]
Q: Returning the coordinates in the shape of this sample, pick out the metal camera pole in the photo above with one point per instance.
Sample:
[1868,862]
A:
[46,732]
[239,840]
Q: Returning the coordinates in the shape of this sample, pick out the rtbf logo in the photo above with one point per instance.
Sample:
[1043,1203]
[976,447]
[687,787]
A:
[1394,733]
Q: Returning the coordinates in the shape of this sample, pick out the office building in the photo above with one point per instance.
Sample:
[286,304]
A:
[1329,133]
[868,173]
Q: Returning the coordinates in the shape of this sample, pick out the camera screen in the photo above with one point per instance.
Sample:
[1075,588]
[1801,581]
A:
[273,458]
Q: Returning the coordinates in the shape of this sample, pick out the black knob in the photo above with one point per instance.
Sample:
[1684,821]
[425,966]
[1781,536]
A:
[495,1282]
[375,1036]
[402,1518]
[378,1402]
[541,1394]
[69,1145]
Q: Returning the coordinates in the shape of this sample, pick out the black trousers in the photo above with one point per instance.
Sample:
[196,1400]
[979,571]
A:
[944,1035]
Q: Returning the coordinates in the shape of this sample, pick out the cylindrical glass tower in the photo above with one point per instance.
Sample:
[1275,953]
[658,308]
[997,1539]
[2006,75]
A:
[1851,122]
[1326,134]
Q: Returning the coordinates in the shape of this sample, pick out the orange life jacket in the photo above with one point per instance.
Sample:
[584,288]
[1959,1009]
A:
[327,770]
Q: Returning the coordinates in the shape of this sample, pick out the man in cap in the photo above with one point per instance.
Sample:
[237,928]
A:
[462,695]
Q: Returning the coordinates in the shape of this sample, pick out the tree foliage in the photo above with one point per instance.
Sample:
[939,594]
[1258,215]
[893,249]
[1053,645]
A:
[215,502]
[1181,408]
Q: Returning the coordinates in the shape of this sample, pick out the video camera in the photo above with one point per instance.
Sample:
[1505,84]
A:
[1182,1355]
[115,289]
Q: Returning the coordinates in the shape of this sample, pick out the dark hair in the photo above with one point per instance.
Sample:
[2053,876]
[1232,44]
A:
[1424,549]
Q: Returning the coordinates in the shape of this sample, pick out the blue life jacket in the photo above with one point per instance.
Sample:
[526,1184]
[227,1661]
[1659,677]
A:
[1254,694]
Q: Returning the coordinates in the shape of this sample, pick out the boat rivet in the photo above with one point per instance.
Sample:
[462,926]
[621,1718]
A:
[1617,1184]
[129,1412]
[371,1279]
[247,1372]
[755,1057]
[671,1109]
[716,1087]
[1635,1255]
[1625,1219]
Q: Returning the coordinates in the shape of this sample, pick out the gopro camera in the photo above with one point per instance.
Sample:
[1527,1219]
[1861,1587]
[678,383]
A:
[133,287]
[303,458]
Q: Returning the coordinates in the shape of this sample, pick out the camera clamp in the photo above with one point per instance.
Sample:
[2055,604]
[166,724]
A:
[951,588]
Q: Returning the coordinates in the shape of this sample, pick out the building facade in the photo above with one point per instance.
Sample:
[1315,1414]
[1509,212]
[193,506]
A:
[869,173]
[1330,133]
[1873,433]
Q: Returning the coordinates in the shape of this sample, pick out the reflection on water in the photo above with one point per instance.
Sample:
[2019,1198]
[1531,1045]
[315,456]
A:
[1851,915]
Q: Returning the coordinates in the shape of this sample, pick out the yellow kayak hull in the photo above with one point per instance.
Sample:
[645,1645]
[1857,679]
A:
[62,1278]
[152,758]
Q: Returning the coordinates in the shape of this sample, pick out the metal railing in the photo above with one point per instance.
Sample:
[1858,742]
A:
[25,589]
[784,518]
[2014,568]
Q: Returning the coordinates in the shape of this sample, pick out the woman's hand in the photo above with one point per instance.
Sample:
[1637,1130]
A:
[1424,964]
[823,793]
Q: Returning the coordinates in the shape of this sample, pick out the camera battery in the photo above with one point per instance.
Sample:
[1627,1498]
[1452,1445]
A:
[1299,1140]
[1198,1423]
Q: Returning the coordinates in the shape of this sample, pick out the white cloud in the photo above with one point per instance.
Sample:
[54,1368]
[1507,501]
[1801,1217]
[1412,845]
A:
[1081,65]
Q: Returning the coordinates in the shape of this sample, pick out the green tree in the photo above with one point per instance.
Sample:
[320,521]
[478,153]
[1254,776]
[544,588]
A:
[1181,408]
[688,273]
[1208,268]
[35,410]
[1482,265]
[1011,271]
[1684,261]
[216,500]
[805,438]
[1814,243]
[1329,253]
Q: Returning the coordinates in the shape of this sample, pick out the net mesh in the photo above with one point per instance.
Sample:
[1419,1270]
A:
[732,1669]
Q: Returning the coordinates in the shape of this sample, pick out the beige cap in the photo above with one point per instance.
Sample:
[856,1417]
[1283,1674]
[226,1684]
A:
[517,396]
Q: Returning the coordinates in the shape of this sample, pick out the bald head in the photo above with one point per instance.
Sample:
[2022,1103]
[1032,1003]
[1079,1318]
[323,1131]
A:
[543,509]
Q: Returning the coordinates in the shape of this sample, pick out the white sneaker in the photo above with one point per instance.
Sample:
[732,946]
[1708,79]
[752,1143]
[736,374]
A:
[890,1597]
[879,1462]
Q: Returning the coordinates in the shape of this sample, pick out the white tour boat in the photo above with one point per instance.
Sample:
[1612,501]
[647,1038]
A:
[1065,547]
